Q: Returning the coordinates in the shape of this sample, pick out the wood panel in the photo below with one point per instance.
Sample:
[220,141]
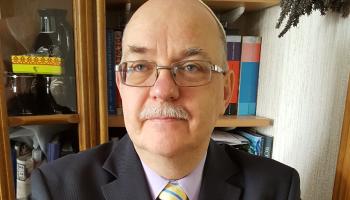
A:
[85,71]
[341,190]
[6,9]
[6,178]
[102,77]
[223,121]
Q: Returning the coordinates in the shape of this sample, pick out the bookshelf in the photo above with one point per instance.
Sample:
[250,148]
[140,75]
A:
[89,24]
[223,121]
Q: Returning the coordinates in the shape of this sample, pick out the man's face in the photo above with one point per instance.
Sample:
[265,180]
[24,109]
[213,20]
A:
[164,37]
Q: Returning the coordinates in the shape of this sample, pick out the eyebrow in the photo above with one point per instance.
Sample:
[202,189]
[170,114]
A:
[194,51]
[138,49]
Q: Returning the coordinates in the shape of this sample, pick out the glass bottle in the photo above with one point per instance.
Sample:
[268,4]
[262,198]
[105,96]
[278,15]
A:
[55,39]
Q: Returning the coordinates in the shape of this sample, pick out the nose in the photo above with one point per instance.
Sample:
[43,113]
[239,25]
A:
[165,88]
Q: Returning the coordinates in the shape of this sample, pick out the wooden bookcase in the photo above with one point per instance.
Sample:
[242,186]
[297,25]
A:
[89,24]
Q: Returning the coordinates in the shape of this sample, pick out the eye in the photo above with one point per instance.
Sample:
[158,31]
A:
[140,67]
[191,67]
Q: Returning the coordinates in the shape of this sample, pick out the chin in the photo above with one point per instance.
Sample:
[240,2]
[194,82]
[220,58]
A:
[167,143]
[168,151]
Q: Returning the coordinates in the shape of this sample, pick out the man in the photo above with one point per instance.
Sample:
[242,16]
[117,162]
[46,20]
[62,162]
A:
[174,84]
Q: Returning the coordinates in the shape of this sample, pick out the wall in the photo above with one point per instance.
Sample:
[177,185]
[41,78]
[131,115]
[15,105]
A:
[302,86]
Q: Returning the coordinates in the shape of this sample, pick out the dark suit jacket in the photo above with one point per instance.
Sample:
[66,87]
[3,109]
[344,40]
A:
[114,171]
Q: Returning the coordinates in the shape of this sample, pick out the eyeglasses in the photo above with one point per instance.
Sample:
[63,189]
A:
[188,73]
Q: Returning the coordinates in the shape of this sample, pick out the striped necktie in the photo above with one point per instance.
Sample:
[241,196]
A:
[172,191]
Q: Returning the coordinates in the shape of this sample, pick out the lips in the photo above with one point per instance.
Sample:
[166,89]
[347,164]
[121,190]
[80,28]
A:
[164,118]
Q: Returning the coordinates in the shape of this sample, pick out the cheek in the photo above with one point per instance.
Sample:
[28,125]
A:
[133,101]
[204,105]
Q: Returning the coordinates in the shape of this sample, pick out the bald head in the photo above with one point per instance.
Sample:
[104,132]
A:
[168,29]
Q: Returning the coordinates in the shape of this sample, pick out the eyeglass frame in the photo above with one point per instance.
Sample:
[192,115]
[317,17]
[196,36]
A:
[213,68]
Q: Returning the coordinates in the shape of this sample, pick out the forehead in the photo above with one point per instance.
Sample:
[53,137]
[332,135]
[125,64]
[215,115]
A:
[173,32]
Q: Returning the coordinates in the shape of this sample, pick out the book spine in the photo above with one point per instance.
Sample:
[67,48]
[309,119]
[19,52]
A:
[249,74]
[53,150]
[118,56]
[111,85]
[233,43]
[14,165]
[268,143]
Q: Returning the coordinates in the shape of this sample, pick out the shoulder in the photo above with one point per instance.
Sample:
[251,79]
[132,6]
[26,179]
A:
[252,163]
[88,158]
[67,177]
[270,176]
[73,168]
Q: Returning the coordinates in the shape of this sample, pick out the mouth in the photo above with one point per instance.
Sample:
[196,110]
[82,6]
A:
[164,118]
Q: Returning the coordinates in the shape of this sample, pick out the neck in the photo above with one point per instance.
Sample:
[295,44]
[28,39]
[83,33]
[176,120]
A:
[173,167]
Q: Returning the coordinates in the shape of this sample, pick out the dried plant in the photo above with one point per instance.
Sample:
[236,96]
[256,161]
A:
[293,9]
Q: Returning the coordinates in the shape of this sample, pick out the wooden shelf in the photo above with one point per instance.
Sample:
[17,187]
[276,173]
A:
[216,5]
[243,121]
[224,121]
[44,119]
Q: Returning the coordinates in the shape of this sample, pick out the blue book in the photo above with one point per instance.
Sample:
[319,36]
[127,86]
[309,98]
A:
[249,74]
[14,165]
[256,141]
[53,151]
[110,61]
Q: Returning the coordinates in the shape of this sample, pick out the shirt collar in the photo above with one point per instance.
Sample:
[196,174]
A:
[191,183]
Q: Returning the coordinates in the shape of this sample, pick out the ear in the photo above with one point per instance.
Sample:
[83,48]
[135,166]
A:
[228,88]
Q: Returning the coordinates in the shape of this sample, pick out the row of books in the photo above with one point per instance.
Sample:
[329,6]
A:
[243,57]
[28,153]
[246,139]
[113,57]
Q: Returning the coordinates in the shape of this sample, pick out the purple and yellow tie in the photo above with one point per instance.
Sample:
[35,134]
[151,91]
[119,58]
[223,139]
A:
[172,191]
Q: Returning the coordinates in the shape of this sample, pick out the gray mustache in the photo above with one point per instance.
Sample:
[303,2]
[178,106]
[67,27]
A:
[164,110]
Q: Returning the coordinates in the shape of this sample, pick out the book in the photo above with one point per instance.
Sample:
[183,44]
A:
[249,74]
[268,145]
[118,36]
[256,141]
[260,144]
[233,43]
[228,138]
[232,139]
[118,56]
[53,150]
[14,164]
[110,61]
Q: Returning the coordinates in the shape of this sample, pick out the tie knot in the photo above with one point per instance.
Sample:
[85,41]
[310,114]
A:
[172,191]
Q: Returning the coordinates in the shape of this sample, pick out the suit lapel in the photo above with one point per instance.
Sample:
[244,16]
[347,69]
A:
[124,164]
[218,172]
